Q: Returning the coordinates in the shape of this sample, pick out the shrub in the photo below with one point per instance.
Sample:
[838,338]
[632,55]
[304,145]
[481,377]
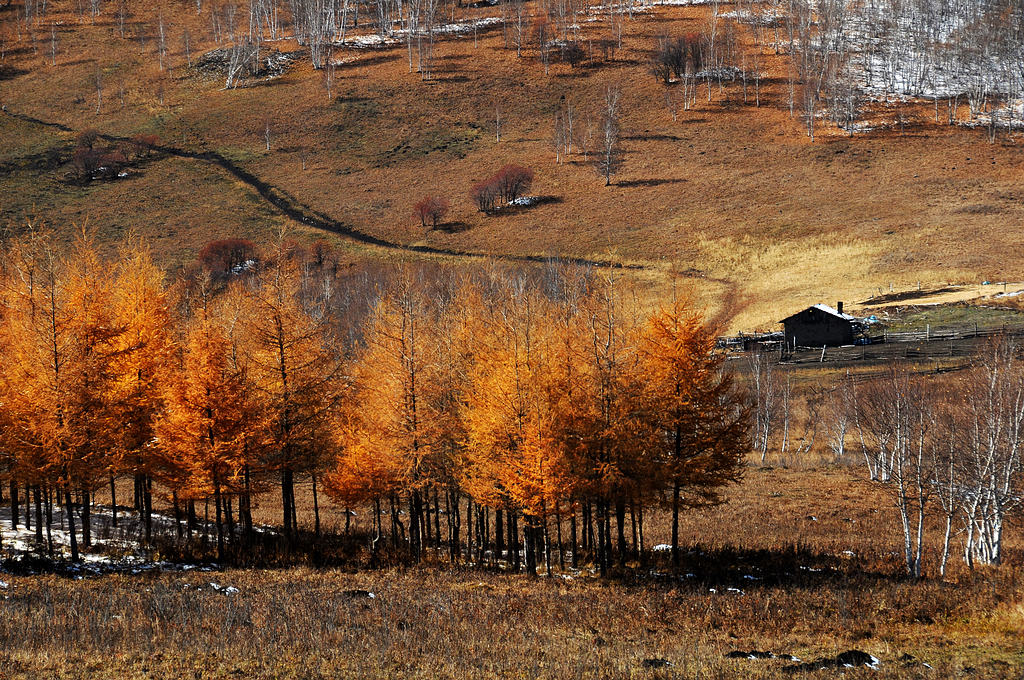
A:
[143,145]
[227,256]
[431,209]
[506,185]
[111,162]
[87,138]
[86,161]
[513,181]
[485,195]
[572,53]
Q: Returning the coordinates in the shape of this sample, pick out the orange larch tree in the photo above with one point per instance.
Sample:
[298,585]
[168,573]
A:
[207,429]
[699,417]
[294,369]
[395,434]
[145,350]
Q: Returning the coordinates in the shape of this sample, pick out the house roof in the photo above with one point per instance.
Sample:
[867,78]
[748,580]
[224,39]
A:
[822,308]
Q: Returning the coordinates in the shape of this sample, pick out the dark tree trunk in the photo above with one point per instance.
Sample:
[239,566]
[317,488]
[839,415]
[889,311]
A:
[69,511]
[531,548]
[499,533]
[632,521]
[573,540]
[229,518]
[469,530]
[220,527]
[415,538]
[437,519]
[286,500]
[675,525]
[39,513]
[147,498]
[113,501]
[620,526]
[14,505]
[513,542]
[49,521]
[561,551]
[190,522]
[455,517]
[177,513]
[316,509]
[546,540]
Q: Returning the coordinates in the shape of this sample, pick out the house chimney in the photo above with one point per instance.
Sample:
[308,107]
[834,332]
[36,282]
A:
[839,307]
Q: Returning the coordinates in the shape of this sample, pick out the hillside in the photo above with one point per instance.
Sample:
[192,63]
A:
[760,218]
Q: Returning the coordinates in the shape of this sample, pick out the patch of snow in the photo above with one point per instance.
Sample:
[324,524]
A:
[662,547]
[225,590]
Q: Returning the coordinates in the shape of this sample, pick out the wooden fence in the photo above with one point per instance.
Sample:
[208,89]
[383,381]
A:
[929,344]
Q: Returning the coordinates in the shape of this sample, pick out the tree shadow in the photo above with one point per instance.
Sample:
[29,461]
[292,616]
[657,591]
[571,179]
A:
[648,182]
[732,569]
[383,58]
[576,73]
[10,72]
[657,137]
[453,227]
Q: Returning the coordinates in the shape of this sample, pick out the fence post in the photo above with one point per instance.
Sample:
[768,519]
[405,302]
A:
[822,354]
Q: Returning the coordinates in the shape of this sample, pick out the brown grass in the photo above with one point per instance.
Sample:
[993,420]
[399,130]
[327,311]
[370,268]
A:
[811,599]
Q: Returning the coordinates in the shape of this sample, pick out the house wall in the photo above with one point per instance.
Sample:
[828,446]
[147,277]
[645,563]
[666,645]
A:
[817,330]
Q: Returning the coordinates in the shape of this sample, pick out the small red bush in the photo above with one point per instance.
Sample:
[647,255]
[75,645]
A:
[431,209]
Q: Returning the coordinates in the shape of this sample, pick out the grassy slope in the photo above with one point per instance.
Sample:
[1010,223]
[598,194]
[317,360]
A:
[764,220]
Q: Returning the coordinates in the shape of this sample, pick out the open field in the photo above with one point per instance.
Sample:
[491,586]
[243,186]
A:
[761,219]
[810,547]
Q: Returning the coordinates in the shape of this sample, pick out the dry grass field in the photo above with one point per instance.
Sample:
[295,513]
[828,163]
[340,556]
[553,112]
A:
[809,550]
[761,219]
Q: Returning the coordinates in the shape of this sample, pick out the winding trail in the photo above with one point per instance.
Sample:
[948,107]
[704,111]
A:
[294,209]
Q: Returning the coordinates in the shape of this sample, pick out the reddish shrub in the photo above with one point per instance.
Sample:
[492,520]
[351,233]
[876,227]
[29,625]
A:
[513,181]
[87,138]
[227,256]
[485,194]
[431,209]
[143,145]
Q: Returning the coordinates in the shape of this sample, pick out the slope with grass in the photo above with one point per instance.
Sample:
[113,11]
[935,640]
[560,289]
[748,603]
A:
[735,195]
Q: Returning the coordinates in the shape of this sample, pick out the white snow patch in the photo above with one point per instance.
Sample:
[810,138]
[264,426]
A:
[228,590]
